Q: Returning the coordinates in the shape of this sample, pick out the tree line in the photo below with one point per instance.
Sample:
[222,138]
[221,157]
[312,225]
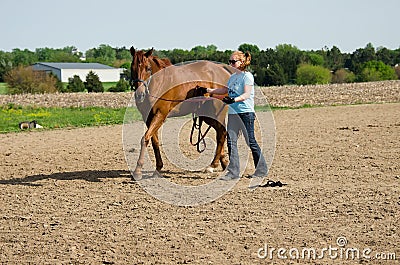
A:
[284,64]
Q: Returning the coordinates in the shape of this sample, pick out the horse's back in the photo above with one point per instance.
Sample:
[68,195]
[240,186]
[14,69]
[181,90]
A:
[205,70]
[192,72]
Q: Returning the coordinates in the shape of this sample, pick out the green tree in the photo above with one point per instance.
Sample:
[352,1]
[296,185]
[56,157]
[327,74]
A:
[75,84]
[43,54]
[221,56]
[199,52]
[334,59]
[359,57]
[389,57]
[263,64]
[275,75]
[177,56]
[125,65]
[314,58]
[104,54]
[121,86]
[385,55]
[376,71]
[122,54]
[251,48]
[65,57]
[6,64]
[23,57]
[59,85]
[203,52]
[270,66]
[123,58]
[312,74]
[288,57]
[66,54]
[92,83]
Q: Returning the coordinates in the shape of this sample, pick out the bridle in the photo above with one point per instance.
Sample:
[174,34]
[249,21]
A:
[137,80]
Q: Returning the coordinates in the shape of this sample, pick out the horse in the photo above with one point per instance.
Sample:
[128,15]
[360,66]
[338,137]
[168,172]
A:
[161,89]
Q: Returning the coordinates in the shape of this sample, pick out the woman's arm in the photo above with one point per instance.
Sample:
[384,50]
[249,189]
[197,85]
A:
[218,91]
[246,94]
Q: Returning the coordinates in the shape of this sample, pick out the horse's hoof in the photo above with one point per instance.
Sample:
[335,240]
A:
[224,163]
[137,176]
[157,174]
[209,170]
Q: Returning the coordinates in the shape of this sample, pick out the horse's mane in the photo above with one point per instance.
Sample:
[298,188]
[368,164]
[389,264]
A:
[161,62]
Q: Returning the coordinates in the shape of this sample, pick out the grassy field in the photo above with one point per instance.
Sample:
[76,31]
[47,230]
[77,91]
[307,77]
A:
[3,88]
[51,118]
[107,85]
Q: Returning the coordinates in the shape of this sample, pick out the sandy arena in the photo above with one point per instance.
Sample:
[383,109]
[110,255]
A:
[67,198]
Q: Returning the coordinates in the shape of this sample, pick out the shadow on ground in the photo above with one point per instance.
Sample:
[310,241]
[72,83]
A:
[89,175]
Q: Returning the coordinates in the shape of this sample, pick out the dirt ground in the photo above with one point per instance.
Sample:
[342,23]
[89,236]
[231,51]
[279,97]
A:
[67,198]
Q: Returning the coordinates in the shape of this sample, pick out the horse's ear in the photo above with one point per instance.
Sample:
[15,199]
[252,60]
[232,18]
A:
[132,50]
[149,52]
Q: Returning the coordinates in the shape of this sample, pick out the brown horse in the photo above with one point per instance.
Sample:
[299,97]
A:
[161,91]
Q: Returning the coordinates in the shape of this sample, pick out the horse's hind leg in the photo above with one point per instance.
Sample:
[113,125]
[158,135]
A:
[153,127]
[219,156]
[220,138]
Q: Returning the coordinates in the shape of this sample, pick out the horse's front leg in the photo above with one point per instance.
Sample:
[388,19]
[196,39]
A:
[156,147]
[137,174]
[152,130]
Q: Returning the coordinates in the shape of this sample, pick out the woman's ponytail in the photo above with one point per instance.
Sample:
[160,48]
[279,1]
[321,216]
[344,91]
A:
[245,58]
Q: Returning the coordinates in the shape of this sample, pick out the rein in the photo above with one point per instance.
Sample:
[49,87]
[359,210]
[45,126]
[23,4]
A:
[196,99]
[200,135]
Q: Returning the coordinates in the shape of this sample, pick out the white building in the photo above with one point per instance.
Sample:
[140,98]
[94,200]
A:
[66,70]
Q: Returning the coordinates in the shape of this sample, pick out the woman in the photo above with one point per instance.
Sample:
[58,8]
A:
[241,115]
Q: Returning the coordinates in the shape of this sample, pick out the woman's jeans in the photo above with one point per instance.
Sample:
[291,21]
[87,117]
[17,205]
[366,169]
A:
[244,122]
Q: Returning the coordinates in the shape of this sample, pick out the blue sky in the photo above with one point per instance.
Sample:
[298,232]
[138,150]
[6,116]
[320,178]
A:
[306,24]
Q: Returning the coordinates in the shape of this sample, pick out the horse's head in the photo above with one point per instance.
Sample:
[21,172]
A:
[141,68]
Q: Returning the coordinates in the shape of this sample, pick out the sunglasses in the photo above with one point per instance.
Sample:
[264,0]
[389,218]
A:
[233,61]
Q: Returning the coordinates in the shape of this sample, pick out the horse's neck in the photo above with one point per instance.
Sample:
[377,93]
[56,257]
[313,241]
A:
[157,64]
[158,85]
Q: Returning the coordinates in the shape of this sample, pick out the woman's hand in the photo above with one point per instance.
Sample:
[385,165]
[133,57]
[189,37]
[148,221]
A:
[201,90]
[228,100]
